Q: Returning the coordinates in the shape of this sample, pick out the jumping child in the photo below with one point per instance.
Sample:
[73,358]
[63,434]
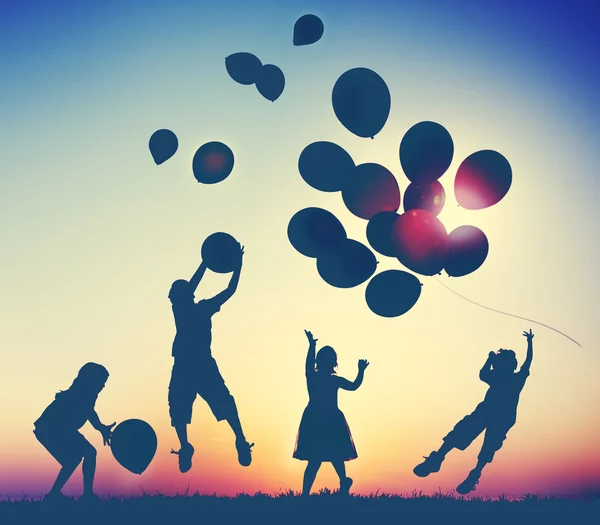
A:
[324,434]
[496,414]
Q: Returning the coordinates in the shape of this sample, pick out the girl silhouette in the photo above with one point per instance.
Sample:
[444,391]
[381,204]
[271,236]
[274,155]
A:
[324,434]
[57,429]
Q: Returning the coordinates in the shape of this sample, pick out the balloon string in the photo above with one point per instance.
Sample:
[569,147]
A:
[506,313]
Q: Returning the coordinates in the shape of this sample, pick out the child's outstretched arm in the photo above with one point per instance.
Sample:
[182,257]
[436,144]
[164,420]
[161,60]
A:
[529,358]
[353,385]
[484,373]
[105,430]
[311,354]
[197,277]
[233,283]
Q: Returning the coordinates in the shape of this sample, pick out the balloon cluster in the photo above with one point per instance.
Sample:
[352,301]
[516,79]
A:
[416,238]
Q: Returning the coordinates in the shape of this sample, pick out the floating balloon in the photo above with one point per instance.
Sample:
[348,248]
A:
[314,231]
[371,189]
[420,242]
[308,29]
[482,180]
[270,82]
[430,198]
[379,232]
[426,152]
[468,249]
[221,253]
[212,163]
[163,145]
[244,68]
[361,101]
[325,166]
[133,444]
[349,265]
[392,293]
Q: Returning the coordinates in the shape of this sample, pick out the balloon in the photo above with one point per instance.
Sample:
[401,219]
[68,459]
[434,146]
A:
[420,241]
[430,198]
[482,180]
[314,231]
[392,293]
[379,232]
[361,101]
[325,166]
[270,82]
[468,249]
[133,444]
[221,252]
[212,163]
[244,68]
[163,145]
[426,152]
[371,189]
[349,264]
[308,29]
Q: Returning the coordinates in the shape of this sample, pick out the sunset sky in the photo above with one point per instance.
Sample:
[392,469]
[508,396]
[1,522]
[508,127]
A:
[93,233]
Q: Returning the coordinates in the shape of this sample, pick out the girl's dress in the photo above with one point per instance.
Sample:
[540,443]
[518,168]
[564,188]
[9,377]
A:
[324,434]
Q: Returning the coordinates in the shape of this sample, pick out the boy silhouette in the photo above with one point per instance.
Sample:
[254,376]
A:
[496,414]
[194,369]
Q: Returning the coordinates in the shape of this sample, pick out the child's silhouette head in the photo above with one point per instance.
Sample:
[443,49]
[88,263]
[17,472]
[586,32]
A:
[505,361]
[326,360]
[181,291]
[90,379]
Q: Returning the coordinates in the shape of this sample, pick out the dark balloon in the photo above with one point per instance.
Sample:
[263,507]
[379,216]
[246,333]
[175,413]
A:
[482,180]
[379,232]
[349,265]
[244,68]
[163,145]
[420,242]
[426,152]
[314,231]
[468,249]
[371,189]
[361,101]
[308,29]
[270,82]
[212,163]
[325,166]
[430,198]
[221,252]
[392,293]
[133,444]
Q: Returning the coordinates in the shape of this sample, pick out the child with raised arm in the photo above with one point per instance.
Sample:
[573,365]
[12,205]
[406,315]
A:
[195,371]
[324,434]
[57,429]
[496,414]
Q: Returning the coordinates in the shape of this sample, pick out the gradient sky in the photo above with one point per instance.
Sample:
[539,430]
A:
[93,233]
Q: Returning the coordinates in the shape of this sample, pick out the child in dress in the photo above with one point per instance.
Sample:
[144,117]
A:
[57,429]
[324,434]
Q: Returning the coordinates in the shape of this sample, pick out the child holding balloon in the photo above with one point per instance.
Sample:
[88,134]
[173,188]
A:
[496,414]
[324,434]
[57,429]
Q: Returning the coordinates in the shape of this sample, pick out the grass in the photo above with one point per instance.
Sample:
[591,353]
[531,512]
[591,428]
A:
[289,508]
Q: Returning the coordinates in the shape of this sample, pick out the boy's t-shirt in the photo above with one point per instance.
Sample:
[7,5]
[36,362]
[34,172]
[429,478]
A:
[504,390]
[194,326]
[69,411]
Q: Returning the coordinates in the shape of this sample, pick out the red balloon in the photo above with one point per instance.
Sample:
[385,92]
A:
[468,249]
[371,189]
[430,197]
[482,180]
[420,241]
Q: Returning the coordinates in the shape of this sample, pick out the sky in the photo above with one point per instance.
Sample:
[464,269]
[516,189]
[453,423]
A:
[93,233]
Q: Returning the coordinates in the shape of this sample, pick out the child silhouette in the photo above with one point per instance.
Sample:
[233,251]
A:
[194,370]
[496,414]
[57,429]
[324,434]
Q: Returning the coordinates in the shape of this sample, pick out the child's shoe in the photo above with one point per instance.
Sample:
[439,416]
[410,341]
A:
[432,463]
[57,498]
[468,484]
[185,457]
[244,450]
[89,499]
[345,486]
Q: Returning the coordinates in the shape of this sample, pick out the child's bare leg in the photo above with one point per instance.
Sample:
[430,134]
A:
[340,468]
[89,470]
[234,422]
[445,448]
[63,476]
[309,476]
[182,434]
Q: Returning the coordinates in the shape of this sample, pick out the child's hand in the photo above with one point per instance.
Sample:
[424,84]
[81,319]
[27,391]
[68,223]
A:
[362,364]
[311,340]
[528,336]
[106,432]
[491,355]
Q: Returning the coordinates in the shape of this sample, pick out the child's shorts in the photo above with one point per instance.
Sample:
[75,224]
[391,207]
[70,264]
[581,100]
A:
[67,447]
[495,424]
[192,377]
